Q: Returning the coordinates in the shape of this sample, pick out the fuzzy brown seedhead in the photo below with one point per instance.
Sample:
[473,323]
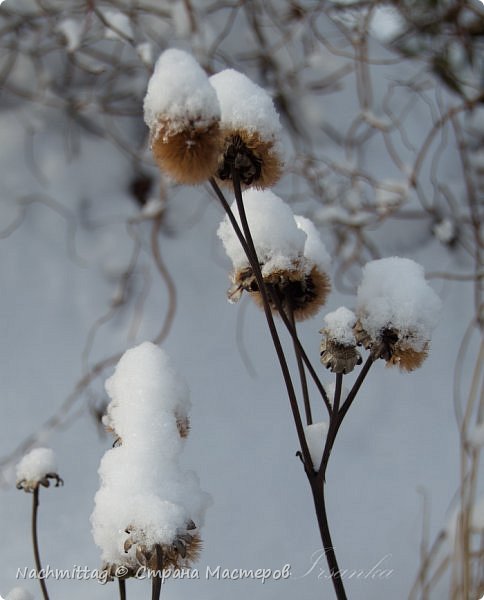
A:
[190,156]
[392,346]
[305,293]
[255,160]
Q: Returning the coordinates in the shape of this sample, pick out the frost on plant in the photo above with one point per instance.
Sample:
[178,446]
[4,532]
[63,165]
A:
[146,500]
[397,311]
[36,468]
[292,257]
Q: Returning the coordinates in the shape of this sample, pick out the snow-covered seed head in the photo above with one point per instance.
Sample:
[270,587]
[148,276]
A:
[292,258]
[393,347]
[146,500]
[397,311]
[250,129]
[36,468]
[182,111]
[338,347]
[180,553]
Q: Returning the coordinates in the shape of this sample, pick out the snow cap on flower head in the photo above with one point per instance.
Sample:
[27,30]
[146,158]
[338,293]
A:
[251,130]
[147,504]
[292,258]
[182,111]
[397,311]
[338,346]
[36,468]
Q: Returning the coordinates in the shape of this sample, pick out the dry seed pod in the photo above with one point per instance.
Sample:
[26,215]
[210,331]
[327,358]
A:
[250,129]
[305,293]
[189,156]
[183,425]
[337,357]
[397,311]
[338,347]
[182,111]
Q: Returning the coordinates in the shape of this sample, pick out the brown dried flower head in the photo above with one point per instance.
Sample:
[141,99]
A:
[251,131]
[305,292]
[182,112]
[338,357]
[183,425]
[189,154]
[181,553]
[396,348]
[254,159]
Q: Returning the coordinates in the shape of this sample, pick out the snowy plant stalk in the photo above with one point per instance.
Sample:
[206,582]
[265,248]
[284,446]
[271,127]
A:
[316,479]
[279,258]
[37,468]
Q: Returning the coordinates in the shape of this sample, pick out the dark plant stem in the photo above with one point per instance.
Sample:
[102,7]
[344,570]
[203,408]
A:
[354,390]
[300,366]
[245,239]
[293,333]
[333,426]
[317,488]
[35,542]
[156,578]
[122,589]
[316,483]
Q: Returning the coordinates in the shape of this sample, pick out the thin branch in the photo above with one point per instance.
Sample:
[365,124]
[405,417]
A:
[35,543]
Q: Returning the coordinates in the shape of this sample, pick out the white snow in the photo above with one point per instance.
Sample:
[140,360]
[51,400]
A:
[179,90]
[278,241]
[476,435]
[35,465]
[119,26]
[145,52]
[143,487]
[19,593]
[72,32]
[444,230]
[394,294]
[245,105]
[316,437]
[331,389]
[314,249]
[339,326]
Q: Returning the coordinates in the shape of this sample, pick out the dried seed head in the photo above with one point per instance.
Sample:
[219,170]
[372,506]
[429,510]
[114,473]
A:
[183,425]
[183,113]
[255,160]
[305,292]
[396,348]
[407,358]
[338,357]
[251,130]
[190,155]
[37,468]
[181,553]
